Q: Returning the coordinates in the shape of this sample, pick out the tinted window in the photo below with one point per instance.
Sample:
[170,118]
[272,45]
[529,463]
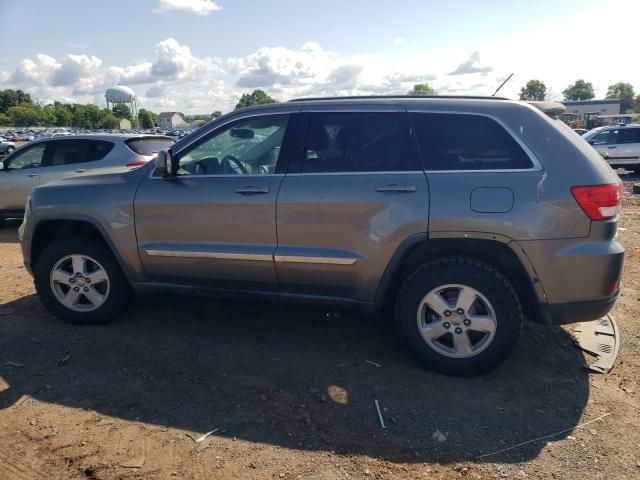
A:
[247,147]
[358,142]
[99,150]
[68,152]
[466,142]
[31,157]
[148,146]
[629,135]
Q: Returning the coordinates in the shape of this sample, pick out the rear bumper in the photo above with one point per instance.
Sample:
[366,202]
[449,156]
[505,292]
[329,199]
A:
[574,312]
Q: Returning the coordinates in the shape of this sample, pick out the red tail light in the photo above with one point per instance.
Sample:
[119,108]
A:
[599,202]
[137,163]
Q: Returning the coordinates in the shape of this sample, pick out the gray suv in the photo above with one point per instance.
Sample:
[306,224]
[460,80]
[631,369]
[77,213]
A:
[43,161]
[459,216]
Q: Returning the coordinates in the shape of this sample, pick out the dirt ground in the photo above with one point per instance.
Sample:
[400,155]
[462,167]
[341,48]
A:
[291,391]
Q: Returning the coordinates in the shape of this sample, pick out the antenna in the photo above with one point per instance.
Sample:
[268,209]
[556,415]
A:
[502,85]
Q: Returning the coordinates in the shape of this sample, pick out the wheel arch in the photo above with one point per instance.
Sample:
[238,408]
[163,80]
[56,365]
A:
[498,251]
[47,230]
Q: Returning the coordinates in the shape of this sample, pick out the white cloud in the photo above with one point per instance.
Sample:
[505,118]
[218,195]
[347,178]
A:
[199,7]
[471,65]
[398,40]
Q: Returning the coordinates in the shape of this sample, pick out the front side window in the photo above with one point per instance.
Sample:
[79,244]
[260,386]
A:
[358,142]
[467,142]
[247,147]
[608,137]
[29,158]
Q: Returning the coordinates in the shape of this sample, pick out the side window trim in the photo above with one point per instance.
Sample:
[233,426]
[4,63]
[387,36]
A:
[537,166]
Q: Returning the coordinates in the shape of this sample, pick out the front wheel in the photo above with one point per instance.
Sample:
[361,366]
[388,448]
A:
[459,315]
[79,281]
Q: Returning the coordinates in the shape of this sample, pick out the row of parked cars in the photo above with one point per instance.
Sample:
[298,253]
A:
[460,217]
[10,139]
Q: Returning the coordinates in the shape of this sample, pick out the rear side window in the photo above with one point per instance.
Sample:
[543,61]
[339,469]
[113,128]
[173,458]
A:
[358,142]
[629,135]
[99,150]
[466,142]
[148,146]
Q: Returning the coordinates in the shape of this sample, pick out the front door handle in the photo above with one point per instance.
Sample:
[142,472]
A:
[32,175]
[611,148]
[251,190]
[80,170]
[393,188]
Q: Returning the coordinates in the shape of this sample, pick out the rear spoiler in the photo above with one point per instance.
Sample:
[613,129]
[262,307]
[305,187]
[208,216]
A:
[553,109]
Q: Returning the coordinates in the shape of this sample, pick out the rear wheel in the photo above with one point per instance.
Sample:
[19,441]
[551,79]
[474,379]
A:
[79,281]
[459,315]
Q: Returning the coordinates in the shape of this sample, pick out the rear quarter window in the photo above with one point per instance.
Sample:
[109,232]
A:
[467,142]
[99,150]
[148,146]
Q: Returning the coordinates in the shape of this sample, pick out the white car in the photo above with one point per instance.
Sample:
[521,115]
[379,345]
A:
[618,144]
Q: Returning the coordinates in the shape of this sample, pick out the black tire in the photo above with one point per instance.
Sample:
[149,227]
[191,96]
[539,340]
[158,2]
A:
[119,289]
[480,276]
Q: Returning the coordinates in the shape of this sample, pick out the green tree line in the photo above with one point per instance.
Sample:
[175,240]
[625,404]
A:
[583,90]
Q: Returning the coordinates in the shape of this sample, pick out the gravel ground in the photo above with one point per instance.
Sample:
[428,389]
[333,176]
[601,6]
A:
[291,393]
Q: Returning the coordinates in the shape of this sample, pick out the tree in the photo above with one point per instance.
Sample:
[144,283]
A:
[121,110]
[25,115]
[5,120]
[580,90]
[146,118]
[48,116]
[423,89]
[216,114]
[257,97]
[623,91]
[108,121]
[12,98]
[534,90]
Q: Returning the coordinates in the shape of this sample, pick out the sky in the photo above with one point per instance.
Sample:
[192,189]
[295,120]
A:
[198,56]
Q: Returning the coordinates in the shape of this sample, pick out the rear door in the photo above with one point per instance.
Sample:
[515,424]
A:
[355,191]
[628,146]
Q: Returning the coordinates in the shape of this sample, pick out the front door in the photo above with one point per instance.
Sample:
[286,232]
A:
[20,173]
[214,223]
[356,193]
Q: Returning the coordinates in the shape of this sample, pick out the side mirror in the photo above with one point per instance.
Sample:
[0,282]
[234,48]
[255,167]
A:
[591,142]
[165,165]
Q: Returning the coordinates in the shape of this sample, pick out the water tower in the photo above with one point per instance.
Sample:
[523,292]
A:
[122,94]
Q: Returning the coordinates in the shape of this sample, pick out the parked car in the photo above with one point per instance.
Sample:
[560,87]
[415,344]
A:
[42,161]
[7,147]
[618,144]
[461,215]
[580,131]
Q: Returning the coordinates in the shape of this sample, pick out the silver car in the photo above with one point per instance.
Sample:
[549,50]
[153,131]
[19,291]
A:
[618,144]
[50,159]
[6,147]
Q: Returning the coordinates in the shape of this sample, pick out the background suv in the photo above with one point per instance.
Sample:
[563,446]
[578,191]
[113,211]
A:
[43,161]
[461,215]
[619,145]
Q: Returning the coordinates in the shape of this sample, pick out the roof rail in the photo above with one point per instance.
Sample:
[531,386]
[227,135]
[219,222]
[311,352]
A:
[385,97]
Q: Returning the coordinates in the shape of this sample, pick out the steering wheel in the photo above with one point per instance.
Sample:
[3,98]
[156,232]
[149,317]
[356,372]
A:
[228,160]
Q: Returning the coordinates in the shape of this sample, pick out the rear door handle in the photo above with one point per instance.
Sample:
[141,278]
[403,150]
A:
[393,188]
[32,175]
[611,148]
[80,170]
[251,190]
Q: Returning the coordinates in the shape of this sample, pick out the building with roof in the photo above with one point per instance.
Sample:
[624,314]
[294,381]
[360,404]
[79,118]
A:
[170,120]
[608,106]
